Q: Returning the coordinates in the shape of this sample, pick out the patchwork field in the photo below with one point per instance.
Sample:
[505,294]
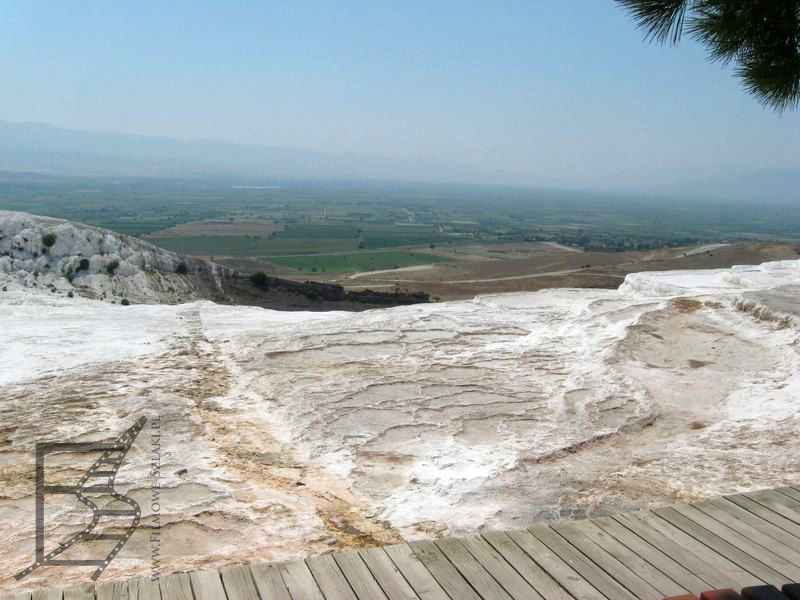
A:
[249,246]
[478,239]
[232,226]
[355,262]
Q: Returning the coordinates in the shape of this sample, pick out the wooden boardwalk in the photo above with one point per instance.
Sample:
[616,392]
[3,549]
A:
[736,541]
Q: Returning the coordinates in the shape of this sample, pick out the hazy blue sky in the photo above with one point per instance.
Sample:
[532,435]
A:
[564,89]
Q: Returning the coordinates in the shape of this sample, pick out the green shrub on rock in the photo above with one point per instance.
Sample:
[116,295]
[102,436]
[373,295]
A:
[260,280]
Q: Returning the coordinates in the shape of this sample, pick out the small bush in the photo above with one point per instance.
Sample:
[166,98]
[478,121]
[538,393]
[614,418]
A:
[125,302]
[84,265]
[181,269]
[48,240]
[260,280]
[70,295]
[112,267]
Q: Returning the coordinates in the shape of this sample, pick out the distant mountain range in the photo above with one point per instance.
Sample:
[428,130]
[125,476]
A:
[49,150]
[41,148]
[769,185]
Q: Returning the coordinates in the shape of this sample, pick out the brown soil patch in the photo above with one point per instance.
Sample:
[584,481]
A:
[697,364]
[687,305]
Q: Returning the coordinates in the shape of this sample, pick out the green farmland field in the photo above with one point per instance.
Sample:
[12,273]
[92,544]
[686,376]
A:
[220,218]
[355,262]
[227,245]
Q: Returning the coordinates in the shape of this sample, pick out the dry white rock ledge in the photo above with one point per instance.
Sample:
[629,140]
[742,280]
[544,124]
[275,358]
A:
[62,257]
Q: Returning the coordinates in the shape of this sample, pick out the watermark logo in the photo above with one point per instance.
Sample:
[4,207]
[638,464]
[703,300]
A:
[95,490]
[155,499]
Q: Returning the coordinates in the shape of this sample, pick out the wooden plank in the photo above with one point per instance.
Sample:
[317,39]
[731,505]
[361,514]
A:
[560,570]
[791,492]
[175,587]
[511,581]
[142,588]
[415,573]
[733,573]
[714,574]
[601,580]
[682,576]
[765,513]
[588,537]
[722,547]
[739,542]
[329,578]
[780,496]
[269,582]
[719,508]
[753,529]
[603,559]
[358,575]
[79,592]
[537,577]
[387,574]
[300,581]
[783,499]
[207,585]
[452,582]
[113,590]
[778,503]
[238,583]
[471,569]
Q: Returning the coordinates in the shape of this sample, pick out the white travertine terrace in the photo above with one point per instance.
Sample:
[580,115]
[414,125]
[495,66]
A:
[141,272]
[286,434]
